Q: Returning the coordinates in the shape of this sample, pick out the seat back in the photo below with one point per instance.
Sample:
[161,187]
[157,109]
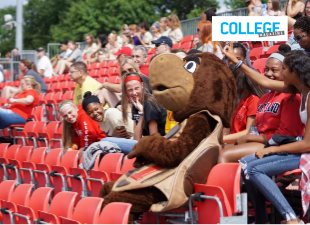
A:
[70,159]
[260,64]
[22,194]
[24,153]
[87,210]
[111,163]
[40,198]
[39,113]
[63,203]
[3,149]
[108,215]
[38,155]
[7,188]
[53,157]
[128,165]
[68,95]
[229,180]
[208,210]
[256,52]
[12,152]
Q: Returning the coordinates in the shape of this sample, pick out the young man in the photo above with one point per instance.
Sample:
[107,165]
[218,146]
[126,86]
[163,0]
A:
[44,65]
[163,45]
[78,74]
[139,56]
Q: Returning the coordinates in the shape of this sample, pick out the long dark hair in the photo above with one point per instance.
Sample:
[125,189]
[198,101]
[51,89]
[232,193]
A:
[29,64]
[245,84]
[146,95]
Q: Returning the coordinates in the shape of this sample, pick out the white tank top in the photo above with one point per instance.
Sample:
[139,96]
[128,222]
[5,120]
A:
[303,114]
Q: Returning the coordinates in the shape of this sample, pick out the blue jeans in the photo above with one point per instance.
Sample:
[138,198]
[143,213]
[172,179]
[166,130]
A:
[125,145]
[257,177]
[8,118]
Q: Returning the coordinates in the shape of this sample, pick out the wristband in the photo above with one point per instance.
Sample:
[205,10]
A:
[239,64]
[141,113]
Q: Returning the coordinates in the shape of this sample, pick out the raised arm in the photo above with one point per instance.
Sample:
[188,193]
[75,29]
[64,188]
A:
[263,81]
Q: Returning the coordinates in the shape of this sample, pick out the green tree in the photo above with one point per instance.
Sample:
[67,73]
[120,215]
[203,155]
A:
[7,38]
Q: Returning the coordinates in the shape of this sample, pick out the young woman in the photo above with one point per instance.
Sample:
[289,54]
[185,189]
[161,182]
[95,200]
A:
[79,131]
[90,48]
[149,117]
[206,40]
[112,46]
[27,68]
[101,52]
[257,168]
[276,113]
[133,31]
[164,26]
[127,40]
[210,13]
[248,94]
[143,30]
[110,121]
[197,40]
[274,8]
[294,10]
[19,107]
[156,30]
[175,33]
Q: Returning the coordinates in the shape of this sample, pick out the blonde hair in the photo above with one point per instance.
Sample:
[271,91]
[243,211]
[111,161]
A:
[175,21]
[91,38]
[128,36]
[113,34]
[130,62]
[68,131]
[34,84]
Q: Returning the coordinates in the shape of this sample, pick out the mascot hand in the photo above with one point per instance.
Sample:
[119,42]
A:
[142,150]
[139,162]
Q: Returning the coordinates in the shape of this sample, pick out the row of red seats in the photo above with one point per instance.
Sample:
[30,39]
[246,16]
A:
[62,173]
[257,53]
[20,204]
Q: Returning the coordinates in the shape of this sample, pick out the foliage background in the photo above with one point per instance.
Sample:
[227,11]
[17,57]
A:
[49,21]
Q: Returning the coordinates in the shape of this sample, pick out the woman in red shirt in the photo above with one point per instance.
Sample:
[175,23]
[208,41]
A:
[19,107]
[248,94]
[79,130]
[277,112]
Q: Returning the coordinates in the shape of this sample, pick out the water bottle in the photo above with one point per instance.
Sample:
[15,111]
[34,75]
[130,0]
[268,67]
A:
[253,130]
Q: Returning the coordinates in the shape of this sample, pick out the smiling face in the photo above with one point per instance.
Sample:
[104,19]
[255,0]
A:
[307,9]
[289,77]
[273,69]
[95,111]
[303,39]
[69,113]
[134,90]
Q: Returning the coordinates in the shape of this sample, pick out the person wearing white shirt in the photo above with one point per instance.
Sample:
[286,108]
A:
[164,26]
[44,65]
[175,33]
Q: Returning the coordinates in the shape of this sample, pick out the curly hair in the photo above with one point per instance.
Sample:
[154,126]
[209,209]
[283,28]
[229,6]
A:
[298,61]
[241,46]
[303,24]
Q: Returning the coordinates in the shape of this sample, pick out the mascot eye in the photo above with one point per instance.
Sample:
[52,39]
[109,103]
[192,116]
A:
[190,66]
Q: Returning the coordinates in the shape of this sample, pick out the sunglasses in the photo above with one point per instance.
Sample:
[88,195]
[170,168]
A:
[298,38]
[198,29]
[159,44]
[128,71]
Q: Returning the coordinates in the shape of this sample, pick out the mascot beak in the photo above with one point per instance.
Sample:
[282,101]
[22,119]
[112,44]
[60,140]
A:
[172,81]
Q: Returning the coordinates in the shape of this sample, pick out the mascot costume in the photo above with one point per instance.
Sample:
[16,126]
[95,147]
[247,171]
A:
[200,90]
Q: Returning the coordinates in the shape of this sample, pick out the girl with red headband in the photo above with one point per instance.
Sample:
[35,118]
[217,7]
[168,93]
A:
[149,117]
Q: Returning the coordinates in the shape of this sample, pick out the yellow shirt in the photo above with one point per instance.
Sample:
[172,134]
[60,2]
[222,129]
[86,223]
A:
[90,84]
[170,122]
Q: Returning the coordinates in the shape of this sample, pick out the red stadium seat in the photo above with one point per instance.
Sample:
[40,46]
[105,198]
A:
[19,132]
[151,51]
[112,63]
[28,166]
[34,134]
[102,79]
[48,96]
[114,80]
[44,137]
[39,201]
[86,211]
[108,215]
[62,205]
[56,141]
[3,149]
[270,50]
[256,53]
[189,38]
[52,106]
[39,114]
[67,96]
[11,153]
[260,64]
[127,165]
[7,188]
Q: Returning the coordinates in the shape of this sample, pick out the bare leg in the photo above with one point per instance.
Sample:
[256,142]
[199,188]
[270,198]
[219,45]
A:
[9,92]
[109,97]
[290,22]
[63,65]
[234,153]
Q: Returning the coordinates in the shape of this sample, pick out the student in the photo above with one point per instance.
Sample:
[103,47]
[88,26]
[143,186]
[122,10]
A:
[259,168]
[111,122]
[248,94]
[79,131]
[149,117]
[276,113]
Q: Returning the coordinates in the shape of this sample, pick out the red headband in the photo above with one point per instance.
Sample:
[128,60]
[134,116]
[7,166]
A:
[133,78]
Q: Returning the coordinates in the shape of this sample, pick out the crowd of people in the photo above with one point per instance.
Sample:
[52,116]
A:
[269,107]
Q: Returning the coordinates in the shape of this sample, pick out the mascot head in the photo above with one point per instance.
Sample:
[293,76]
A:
[198,82]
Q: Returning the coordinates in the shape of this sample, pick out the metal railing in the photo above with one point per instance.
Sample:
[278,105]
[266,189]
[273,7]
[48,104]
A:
[189,26]
[54,48]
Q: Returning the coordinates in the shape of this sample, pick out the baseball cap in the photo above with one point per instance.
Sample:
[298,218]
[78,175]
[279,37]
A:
[165,40]
[123,50]
[40,49]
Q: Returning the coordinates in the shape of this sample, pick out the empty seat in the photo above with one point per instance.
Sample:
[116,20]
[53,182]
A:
[62,205]
[56,141]
[34,134]
[260,64]
[270,50]
[127,165]
[19,133]
[39,114]
[7,188]
[115,213]
[10,154]
[86,211]
[255,53]
[68,95]
[52,106]
[3,149]
[44,137]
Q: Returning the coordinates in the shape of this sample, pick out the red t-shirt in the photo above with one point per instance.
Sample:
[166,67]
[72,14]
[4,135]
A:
[246,108]
[145,70]
[87,131]
[278,113]
[22,109]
